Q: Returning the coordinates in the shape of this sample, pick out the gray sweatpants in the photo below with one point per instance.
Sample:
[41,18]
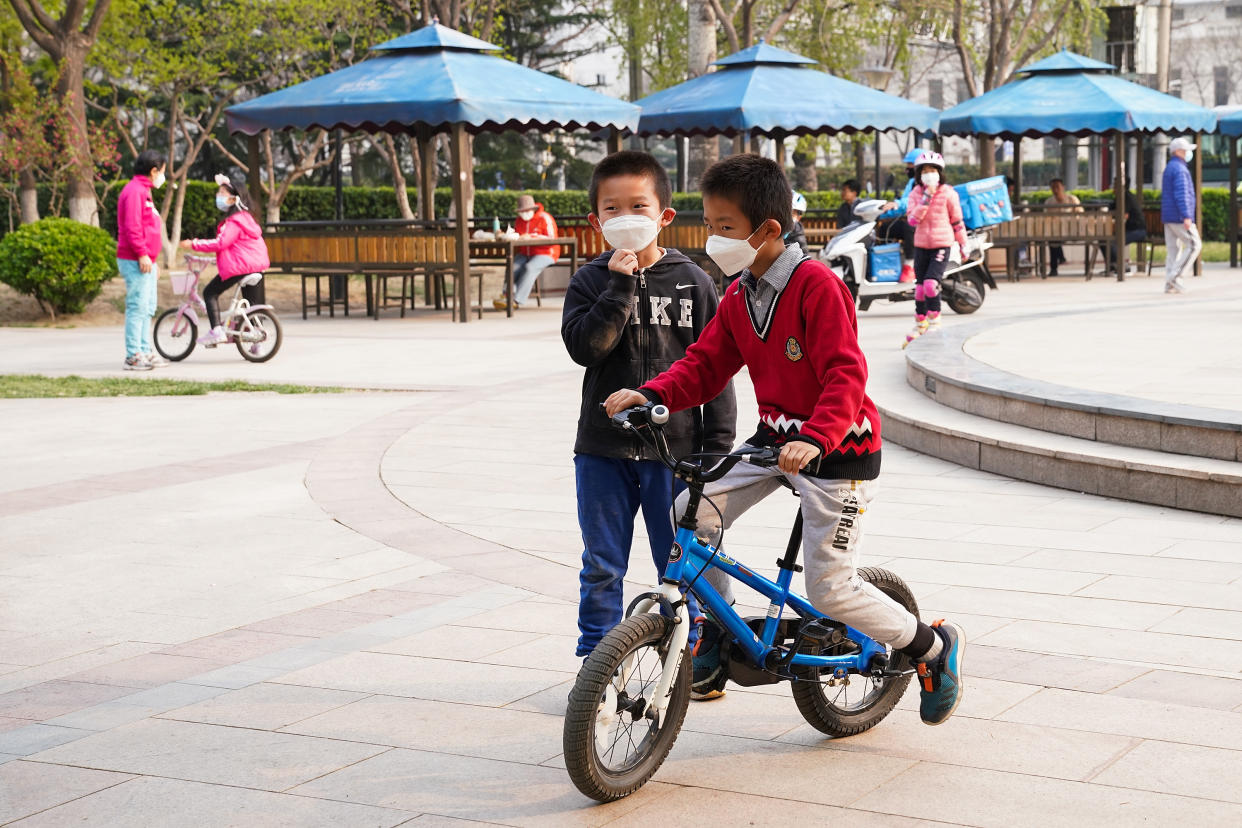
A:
[832,512]
[1182,247]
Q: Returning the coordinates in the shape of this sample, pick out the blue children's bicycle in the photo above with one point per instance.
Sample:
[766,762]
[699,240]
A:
[631,695]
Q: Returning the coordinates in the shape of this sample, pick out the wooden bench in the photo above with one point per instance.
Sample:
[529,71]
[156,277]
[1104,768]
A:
[318,250]
[1041,228]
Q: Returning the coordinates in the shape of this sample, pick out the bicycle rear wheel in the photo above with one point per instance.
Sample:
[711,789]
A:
[849,709]
[613,741]
[258,336]
[174,335]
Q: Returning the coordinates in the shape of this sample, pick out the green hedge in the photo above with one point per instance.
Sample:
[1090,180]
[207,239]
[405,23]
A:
[200,215]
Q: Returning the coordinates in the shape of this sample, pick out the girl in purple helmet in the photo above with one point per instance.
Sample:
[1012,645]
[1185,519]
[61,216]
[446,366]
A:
[935,213]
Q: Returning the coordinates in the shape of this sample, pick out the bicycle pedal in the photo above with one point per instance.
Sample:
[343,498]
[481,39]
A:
[823,632]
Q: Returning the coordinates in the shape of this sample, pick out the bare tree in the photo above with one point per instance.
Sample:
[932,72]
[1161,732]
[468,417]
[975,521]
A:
[995,38]
[737,19]
[67,40]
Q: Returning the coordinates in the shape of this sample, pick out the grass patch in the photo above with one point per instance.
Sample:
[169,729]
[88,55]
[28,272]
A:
[1213,251]
[13,386]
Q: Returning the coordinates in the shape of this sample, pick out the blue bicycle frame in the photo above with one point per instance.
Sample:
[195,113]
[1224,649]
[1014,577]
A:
[690,559]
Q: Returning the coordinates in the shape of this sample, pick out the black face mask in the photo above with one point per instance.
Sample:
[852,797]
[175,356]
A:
[910,173]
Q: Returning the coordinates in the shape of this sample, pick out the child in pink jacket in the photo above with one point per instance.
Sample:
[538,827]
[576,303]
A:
[935,213]
[240,251]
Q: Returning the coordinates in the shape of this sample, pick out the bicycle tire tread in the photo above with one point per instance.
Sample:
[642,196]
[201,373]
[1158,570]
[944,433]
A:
[580,712]
[808,695]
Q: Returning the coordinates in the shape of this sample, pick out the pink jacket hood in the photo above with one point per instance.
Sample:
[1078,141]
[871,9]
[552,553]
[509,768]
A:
[238,245]
[936,219]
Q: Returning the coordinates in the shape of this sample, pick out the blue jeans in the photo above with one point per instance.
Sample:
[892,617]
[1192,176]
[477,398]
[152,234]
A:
[610,493]
[526,270]
[140,298]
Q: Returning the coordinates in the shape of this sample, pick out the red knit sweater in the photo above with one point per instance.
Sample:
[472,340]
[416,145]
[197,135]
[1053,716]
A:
[809,373]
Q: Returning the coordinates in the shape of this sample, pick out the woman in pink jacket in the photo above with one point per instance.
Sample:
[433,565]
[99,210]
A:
[935,213]
[240,251]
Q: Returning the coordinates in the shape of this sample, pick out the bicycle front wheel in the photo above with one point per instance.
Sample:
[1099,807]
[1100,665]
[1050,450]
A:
[258,336]
[174,335]
[614,742]
[861,703]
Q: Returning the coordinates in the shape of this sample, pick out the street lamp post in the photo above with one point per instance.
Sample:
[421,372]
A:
[877,78]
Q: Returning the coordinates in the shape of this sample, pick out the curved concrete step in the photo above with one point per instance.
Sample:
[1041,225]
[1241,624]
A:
[938,367]
[920,423]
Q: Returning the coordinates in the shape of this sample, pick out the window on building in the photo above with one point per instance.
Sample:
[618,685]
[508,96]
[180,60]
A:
[1179,15]
[1119,41]
[1175,82]
[963,91]
[935,94]
[1220,78]
[1234,10]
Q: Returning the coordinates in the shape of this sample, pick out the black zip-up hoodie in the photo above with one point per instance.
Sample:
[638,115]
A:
[625,330]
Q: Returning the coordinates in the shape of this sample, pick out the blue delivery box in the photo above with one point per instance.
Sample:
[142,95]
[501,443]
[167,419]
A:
[886,263]
[985,202]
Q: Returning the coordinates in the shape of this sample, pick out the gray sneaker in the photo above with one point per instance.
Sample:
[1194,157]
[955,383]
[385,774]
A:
[137,362]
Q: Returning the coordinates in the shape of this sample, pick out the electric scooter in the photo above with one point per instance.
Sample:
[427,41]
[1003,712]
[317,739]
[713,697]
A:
[965,282]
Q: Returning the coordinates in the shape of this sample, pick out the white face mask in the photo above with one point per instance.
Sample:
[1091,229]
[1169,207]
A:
[732,256]
[1189,155]
[157,180]
[630,232]
[930,179]
[526,215]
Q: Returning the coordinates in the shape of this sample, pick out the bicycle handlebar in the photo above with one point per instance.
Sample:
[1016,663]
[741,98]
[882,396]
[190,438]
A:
[651,417]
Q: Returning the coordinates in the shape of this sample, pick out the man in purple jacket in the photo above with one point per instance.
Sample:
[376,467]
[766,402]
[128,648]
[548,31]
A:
[1177,210]
[139,237]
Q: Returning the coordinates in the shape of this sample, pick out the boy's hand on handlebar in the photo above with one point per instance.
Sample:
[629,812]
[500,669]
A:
[623,261]
[186,244]
[795,456]
[621,400]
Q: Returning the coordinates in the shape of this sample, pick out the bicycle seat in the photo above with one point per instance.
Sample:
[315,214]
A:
[251,279]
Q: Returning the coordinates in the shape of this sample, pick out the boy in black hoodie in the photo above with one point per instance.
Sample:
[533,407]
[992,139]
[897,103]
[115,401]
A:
[628,316]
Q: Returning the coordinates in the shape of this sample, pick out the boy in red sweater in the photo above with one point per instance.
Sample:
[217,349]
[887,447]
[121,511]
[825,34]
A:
[791,321]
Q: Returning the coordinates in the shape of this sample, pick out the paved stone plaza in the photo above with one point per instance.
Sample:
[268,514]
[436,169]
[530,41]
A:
[359,609]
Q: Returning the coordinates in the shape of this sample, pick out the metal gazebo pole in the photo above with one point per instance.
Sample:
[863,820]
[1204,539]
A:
[1199,197]
[254,178]
[1017,166]
[1232,223]
[459,154]
[426,170]
[1119,201]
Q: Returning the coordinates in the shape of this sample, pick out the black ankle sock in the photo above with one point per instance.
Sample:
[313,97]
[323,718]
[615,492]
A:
[924,640]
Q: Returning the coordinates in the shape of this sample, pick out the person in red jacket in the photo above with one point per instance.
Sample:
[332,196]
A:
[528,262]
[240,251]
[935,212]
[790,320]
[139,237]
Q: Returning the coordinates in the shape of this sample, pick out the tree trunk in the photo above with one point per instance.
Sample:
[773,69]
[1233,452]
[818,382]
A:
[393,146]
[82,204]
[701,51]
[987,156]
[805,178]
[173,238]
[27,198]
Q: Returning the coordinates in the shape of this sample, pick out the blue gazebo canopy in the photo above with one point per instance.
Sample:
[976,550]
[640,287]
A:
[1069,94]
[1229,122]
[763,90]
[433,77]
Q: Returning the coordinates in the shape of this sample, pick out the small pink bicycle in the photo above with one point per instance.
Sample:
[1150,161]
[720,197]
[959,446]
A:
[254,329]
